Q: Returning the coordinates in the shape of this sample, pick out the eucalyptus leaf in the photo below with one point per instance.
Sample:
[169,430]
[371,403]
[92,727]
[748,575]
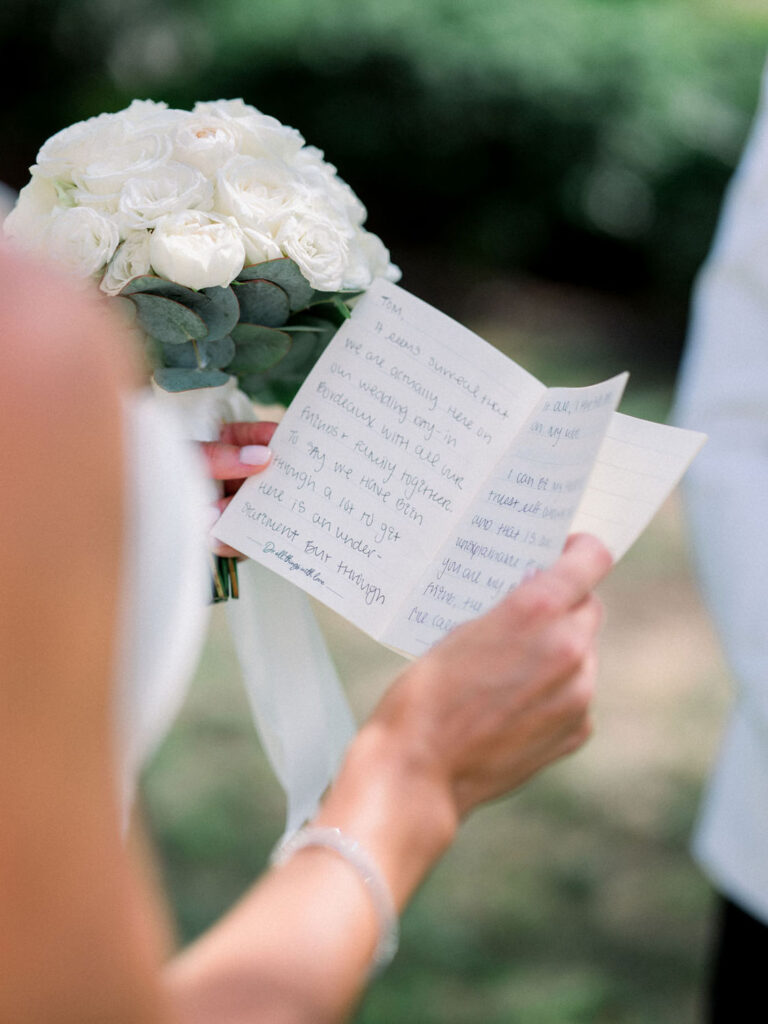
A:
[269,389]
[260,388]
[151,284]
[281,382]
[285,273]
[343,295]
[219,309]
[257,348]
[215,355]
[175,356]
[300,329]
[333,308]
[206,355]
[323,327]
[166,320]
[182,379]
[262,302]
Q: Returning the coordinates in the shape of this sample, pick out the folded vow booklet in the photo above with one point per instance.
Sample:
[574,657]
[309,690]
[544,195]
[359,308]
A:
[420,474]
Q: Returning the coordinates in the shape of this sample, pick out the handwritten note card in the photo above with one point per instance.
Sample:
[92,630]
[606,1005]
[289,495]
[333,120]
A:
[419,474]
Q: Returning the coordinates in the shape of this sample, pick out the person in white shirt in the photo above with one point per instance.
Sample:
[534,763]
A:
[723,391]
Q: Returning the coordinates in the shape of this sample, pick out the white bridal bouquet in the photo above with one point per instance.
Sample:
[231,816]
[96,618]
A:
[236,244]
[234,247]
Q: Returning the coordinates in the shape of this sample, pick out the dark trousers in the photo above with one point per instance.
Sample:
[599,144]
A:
[739,963]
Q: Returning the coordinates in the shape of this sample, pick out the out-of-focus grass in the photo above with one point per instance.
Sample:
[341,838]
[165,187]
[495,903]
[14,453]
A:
[574,900]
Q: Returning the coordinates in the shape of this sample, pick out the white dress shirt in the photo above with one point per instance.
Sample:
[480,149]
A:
[723,391]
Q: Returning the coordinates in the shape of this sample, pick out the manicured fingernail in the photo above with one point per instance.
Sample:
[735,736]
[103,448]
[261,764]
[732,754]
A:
[255,454]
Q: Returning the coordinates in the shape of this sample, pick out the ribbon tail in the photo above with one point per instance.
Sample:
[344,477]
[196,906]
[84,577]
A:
[300,710]
[298,706]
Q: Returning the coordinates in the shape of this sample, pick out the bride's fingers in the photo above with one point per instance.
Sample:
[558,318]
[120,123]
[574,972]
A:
[234,462]
[241,434]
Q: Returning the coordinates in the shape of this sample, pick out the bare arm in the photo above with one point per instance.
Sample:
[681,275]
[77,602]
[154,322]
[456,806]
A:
[491,705]
[77,942]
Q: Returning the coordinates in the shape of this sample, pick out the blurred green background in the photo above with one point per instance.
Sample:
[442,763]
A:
[550,173]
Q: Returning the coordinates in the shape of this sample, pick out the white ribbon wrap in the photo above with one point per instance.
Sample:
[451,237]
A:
[299,707]
[166,583]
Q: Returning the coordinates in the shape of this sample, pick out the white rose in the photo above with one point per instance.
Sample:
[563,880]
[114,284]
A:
[148,113]
[368,258]
[100,154]
[82,240]
[318,247]
[105,204]
[256,192]
[322,177]
[123,153]
[72,147]
[28,222]
[168,189]
[206,143]
[197,249]
[259,134]
[130,260]
[259,246]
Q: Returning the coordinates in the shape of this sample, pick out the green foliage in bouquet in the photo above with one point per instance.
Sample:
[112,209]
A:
[267,328]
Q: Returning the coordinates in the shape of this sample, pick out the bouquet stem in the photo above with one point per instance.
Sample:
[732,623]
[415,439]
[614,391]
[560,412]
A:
[224,579]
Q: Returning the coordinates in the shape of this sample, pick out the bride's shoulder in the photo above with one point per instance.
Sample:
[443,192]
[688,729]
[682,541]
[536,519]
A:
[58,339]
[61,470]
[61,539]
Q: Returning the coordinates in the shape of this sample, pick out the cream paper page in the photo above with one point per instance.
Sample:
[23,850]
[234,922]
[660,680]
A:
[520,518]
[387,441]
[527,512]
[637,467]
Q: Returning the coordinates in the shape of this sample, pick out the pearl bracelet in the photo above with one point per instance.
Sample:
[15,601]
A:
[358,858]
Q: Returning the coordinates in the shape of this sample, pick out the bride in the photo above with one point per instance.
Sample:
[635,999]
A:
[83,932]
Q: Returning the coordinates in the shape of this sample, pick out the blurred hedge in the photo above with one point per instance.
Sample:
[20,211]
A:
[583,140]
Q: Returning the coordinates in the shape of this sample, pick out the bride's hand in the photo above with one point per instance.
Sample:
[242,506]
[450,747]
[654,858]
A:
[507,693]
[483,710]
[242,451]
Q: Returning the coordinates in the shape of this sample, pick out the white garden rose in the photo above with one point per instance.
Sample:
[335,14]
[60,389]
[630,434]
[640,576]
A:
[197,249]
[124,153]
[257,192]
[105,203]
[368,258]
[318,247]
[260,135]
[151,114]
[28,222]
[82,240]
[322,178]
[144,201]
[99,155]
[131,260]
[206,142]
[73,147]
[259,245]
